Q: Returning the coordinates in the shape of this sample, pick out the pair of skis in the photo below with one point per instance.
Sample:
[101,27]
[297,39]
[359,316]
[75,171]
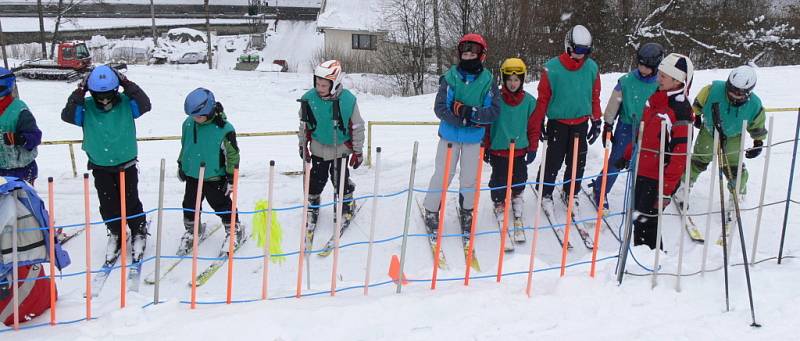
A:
[516,232]
[134,271]
[582,227]
[150,278]
[326,251]
[440,259]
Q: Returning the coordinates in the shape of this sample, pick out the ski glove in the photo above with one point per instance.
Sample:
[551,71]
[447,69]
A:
[14,139]
[305,154]
[754,152]
[608,130]
[355,160]
[622,163]
[698,121]
[123,80]
[529,157]
[594,132]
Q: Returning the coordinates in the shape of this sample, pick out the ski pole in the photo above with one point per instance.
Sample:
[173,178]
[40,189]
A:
[302,251]
[267,234]
[373,218]
[123,266]
[51,249]
[570,203]
[442,210]
[409,199]
[763,191]
[338,228]
[472,228]
[158,231]
[195,231]
[536,221]
[737,177]
[711,184]
[684,218]
[626,239]
[507,207]
[659,202]
[723,163]
[232,233]
[598,223]
[88,235]
[789,192]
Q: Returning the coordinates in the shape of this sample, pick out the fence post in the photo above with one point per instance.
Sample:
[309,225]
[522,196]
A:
[160,218]
[711,182]
[409,200]
[442,211]
[373,218]
[570,203]
[763,190]
[123,266]
[195,231]
[232,233]
[536,220]
[268,233]
[506,208]
[369,144]
[72,160]
[51,249]
[88,234]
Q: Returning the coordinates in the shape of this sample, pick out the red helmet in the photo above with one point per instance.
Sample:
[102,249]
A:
[477,39]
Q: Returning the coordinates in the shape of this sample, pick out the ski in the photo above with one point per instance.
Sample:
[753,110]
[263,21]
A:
[465,240]
[498,217]
[691,228]
[582,227]
[150,278]
[726,228]
[605,212]
[212,268]
[345,224]
[134,276]
[440,260]
[65,237]
[100,278]
[519,231]
[557,231]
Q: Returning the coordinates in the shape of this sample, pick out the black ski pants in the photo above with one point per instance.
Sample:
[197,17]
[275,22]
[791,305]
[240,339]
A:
[107,184]
[499,176]
[560,142]
[213,193]
[321,169]
[645,226]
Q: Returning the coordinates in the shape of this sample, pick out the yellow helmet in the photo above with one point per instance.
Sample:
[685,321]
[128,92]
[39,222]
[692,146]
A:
[513,66]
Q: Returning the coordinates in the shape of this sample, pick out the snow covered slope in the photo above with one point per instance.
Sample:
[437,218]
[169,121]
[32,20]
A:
[571,308]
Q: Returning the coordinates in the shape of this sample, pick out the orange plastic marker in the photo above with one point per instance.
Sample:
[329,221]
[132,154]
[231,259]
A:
[232,233]
[442,206]
[471,247]
[507,205]
[123,240]
[600,207]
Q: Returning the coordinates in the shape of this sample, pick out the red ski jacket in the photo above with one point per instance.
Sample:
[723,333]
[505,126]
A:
[673,107]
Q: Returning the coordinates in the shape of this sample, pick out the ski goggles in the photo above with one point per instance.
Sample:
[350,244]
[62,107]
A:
[581,49]
[104,97]
[513,70]
[470,47]
[651,62]
[737,95]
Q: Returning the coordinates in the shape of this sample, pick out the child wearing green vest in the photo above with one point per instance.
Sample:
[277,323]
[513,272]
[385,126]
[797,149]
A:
[207,137]
[19,131]
[737,103]
[514,123]
[331,128]
[467,101]
[627,102]
[109,140]
[569,95]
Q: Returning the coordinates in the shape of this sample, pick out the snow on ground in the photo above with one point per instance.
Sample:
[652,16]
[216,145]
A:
[357,15]
[293,41]
[571,308]
[28,24]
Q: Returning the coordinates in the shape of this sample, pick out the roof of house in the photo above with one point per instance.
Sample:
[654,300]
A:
[355,15]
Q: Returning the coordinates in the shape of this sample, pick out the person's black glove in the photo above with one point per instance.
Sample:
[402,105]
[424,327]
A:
[594,132]
[14,139]
[622,163]
[698,121]
[754,152]
[529,157]
[608,130]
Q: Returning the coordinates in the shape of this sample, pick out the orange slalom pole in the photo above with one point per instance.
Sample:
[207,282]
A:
[198,201]
[232,233]
[52,250]
[303,229]
[600,208]
[507,205]
[123,266]
[442,206]
[88,234]
[569,206]
[471,247]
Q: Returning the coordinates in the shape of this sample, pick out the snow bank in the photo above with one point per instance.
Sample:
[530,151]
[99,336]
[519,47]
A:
[293,41]
[359,15]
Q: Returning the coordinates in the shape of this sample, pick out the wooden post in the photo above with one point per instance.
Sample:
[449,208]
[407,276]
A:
[209,55]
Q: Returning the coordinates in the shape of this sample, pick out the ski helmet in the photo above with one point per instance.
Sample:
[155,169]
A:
[473,42]
[7,81]
[103,79]
[332,71]
[578,40]
[513,66]
[741,82]
[678,67]
[199,102]
[650,55]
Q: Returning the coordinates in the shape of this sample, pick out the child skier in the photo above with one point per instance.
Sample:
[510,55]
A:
[109,139]
[670,103]
[569,95]
[467,99]
[331,128]
[627,102]
[514,122]
[207,137]
[20,133]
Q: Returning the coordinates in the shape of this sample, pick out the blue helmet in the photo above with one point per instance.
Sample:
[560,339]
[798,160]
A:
[199,102]
[103,79]
[7,80]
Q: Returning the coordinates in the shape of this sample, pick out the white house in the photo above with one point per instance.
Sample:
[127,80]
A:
[352,28]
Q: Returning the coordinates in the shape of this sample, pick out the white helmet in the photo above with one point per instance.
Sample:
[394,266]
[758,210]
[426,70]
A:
[743,78]
[679,67]
[578,40]
[332,71]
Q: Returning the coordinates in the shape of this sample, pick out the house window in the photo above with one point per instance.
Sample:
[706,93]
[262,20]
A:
[365,42]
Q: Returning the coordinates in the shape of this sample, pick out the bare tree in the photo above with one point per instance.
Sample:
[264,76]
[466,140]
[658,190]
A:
[3,46]
[153,23]
[208,36]
[41,28]
[410,23]
[437,37]
[61,12]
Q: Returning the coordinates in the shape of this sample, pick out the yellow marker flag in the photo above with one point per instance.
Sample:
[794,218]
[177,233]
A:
[260,230]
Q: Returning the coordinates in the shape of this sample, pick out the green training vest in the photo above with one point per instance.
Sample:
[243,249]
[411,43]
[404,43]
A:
[203,145]
[571,90]
[14,156]
[512,124]
[472,93]
[731,116]
[109,137]
[635,93]
[323,112]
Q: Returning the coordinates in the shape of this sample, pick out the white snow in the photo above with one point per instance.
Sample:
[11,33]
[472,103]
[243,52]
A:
[293,41]
[357,15]
[28,24]
[281,3]
[574,307]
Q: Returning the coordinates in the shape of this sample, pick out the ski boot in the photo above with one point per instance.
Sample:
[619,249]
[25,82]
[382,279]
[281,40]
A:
[595,186]
[187,240]
[348,210]
[680,198]
[548,206]
[516,207]
[112,248]
[465,218]
[575,203]
[311,218]
[431,223]
[138,241]
[238,238]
